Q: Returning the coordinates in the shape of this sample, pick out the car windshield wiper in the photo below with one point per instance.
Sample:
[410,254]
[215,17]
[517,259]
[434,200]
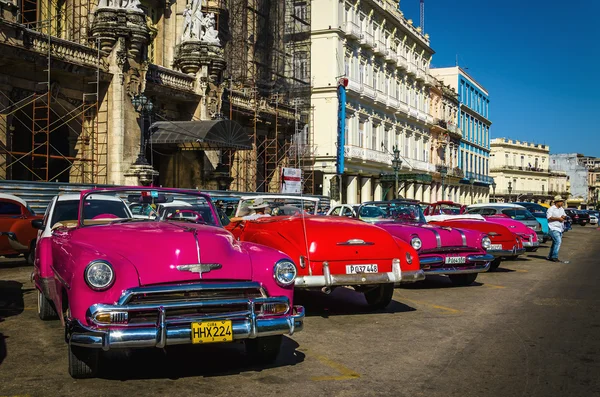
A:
[131,220]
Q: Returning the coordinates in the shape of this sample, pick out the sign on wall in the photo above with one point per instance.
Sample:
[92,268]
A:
[291,180]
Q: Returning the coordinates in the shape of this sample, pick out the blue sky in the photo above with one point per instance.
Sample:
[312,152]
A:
[539,60]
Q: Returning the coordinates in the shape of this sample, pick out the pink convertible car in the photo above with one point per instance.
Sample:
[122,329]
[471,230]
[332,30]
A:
[120,282]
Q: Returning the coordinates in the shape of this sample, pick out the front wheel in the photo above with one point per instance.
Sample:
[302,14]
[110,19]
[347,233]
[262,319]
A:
[379,297]
[264,350]
[45,308]
[495,264]
[83,362]
[463,280]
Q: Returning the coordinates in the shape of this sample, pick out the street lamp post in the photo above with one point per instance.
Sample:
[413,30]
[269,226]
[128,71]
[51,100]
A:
[143,106]
[494,190]
[443,173]
[471,182]
[397,164]
[509,190]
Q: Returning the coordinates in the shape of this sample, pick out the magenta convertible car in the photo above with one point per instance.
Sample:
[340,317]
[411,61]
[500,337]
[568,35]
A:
[119,282]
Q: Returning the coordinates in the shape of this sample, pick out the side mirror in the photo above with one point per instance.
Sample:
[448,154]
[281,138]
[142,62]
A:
[38,224]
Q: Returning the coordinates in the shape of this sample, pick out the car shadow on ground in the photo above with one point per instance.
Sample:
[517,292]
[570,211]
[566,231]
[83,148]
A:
[14,263]
[501,270]
[342,301]
[11,304]
[185,361]
[436,282]
[537,256]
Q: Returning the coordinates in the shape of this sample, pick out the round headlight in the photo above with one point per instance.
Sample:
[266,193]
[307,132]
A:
[486,243]
[284,273]
[416,243]
[99,275]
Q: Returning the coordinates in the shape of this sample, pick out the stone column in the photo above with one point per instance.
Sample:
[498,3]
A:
[419,191]
[427,193]
[378,190]
[365,189]
[352,189]
[410,191]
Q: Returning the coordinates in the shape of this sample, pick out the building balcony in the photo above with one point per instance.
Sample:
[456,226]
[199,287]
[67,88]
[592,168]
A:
[380,47]
[381,97]
[450,171]
[355,86]
[516,195]
[412,112]
[367,40]
[421,74]
[402,63]
[392,102]
[367,155]
[519,168]
[369,92]
[402,108]
[420,165]
[429,80]
[428,119]
[391,56]
[478,178]
[455,132]
[412,69]
[352,30]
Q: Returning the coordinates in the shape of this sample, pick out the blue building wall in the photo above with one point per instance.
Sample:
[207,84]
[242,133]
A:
[475,146]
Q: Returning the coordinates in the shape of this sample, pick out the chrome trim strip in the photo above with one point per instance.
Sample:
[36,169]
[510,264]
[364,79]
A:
[499,253]
[120,338]
[459,270]
[412,276]
[531,244]
[438,238]
[464,237]
[355,241]
[348,279]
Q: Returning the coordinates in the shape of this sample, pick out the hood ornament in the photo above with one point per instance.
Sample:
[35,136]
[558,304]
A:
[199,268]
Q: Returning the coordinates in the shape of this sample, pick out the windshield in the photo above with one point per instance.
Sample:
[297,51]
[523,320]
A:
[144,205]
[448,209]
[518,214]
[276,206]
[402,212]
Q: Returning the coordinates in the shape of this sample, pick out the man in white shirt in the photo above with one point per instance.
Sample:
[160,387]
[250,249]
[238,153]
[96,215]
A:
[556,218]
[261,209]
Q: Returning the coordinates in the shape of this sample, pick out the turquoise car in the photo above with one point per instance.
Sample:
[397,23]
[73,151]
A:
[539,211]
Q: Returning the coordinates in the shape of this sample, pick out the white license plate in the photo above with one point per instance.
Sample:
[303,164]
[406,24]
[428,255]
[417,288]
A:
[496,247]
[359,269]
[455,259]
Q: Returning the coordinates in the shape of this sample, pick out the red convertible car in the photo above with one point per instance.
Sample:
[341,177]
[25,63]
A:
[329,251]
[505,243]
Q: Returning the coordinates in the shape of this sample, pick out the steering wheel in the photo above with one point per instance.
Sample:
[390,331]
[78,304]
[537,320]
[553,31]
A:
[199,217]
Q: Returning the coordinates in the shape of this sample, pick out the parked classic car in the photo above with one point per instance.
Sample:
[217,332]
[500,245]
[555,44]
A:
[17,235]
[332,252]
[578,217]
[539,212]
[507,243]
[528,235]
[457,253]
[513,211]
[119,282]
[344,210]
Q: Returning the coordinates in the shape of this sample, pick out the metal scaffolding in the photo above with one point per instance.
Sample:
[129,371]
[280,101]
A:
[268,71]
[42,113]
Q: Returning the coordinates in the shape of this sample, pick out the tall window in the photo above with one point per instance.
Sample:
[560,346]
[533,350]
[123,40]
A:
[301,65]
[374,131]
[348,131]
[362,73]
[522,161]
[386,139]
[361,133]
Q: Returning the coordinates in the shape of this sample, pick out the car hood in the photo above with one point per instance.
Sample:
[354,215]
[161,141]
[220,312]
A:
[512,225]
[160,251]
[433,236]
[495,231]
[338,238]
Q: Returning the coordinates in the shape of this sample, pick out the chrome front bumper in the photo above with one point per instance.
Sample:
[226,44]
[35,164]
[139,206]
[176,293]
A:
[531,244]
[329,280]
[412,276]
[505,253]
[475,264]
[162,334]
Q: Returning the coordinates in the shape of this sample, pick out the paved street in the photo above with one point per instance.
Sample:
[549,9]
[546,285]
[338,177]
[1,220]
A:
[530,329]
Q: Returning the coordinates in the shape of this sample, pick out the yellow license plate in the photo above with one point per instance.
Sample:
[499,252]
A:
[212,332]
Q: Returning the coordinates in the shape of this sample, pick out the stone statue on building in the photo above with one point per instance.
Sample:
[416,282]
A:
[210,33]
[192,21]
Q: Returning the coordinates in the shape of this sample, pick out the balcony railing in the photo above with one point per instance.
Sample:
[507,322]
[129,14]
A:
[421,165]
[402,62]
[412,68]
[170,78]
[355,86]
[450,171]
[352,30]
[392,102]
[368,91]
[367,39]
[454,130]
[516,193]
[520,168]
[355,152]
[478,177]
[402,107]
